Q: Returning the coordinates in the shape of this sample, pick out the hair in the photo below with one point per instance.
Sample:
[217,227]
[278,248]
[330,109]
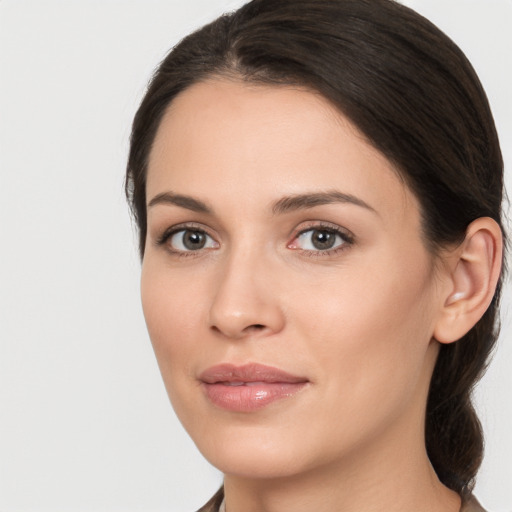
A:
[416,98]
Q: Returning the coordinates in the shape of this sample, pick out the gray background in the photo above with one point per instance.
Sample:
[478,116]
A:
[85,424]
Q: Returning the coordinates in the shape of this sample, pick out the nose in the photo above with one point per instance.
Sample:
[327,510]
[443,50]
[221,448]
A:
[246,300]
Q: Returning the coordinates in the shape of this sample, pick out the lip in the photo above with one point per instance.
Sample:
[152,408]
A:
[249,387]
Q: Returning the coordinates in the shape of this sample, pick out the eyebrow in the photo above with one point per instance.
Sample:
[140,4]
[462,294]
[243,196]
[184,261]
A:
[284,205]
[304,201]
[180,200]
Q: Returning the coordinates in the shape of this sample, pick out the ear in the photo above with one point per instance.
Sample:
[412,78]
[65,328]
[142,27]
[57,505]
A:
[474,270]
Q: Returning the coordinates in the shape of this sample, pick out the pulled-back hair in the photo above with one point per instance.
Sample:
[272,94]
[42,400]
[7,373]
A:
[414,95]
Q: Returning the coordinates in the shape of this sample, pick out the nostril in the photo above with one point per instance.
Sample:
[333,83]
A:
[246,330]
[255,327]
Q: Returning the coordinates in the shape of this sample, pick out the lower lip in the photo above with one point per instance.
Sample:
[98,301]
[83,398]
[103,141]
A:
[250,397]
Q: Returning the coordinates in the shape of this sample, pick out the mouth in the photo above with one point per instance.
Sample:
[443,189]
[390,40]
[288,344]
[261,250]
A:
[249,387]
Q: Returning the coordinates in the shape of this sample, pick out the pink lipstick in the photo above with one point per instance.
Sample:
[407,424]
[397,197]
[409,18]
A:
[249,387]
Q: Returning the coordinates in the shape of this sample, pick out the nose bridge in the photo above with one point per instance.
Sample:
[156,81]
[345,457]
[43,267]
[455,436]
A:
[246,298]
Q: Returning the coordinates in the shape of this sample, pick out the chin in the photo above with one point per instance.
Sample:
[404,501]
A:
[256,463]
[257,452]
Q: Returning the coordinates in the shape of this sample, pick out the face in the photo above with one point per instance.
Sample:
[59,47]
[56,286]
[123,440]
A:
[286,288]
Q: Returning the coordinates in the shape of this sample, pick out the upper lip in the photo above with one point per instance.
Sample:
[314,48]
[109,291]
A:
[252,372]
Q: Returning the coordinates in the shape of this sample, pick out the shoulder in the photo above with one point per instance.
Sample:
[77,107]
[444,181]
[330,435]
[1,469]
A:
[472,505]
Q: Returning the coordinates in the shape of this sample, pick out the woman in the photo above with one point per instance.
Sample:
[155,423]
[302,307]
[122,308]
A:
[317,185]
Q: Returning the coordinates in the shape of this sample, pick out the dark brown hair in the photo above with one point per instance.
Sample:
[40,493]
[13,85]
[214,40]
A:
[414,95]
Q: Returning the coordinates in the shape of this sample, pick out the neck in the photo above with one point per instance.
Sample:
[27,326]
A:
[395,476]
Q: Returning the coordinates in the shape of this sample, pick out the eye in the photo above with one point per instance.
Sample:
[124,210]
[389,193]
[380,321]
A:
[186,240]
[320,239]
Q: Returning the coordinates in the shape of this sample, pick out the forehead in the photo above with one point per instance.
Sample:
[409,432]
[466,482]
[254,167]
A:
[222,138]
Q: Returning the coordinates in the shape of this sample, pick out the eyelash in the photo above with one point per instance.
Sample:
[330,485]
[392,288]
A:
[170,232]
[346,236]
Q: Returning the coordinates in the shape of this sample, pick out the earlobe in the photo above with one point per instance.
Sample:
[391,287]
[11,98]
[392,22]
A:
[474,274]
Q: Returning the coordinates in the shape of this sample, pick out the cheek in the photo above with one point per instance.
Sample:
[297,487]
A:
[171,309]
[369,332]
[170,304]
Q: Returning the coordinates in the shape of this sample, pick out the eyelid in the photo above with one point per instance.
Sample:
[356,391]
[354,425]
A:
[347,236]
[185,226]
[321,224]
[171,230]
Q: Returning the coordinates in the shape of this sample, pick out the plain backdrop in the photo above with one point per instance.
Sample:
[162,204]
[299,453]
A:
[85,424]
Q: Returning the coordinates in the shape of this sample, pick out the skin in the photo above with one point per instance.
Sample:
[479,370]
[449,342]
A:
[357,321]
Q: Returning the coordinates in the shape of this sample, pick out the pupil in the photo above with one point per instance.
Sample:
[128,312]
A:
[194,240]
[323,239]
